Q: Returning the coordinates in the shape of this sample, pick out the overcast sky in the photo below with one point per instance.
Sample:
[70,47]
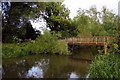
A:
[74,5]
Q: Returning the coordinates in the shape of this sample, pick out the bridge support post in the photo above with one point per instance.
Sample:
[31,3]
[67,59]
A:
[105,48]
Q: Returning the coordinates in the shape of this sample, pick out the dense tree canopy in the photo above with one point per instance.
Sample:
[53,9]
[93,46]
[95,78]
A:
[16,20]
[94,23]
[16,15]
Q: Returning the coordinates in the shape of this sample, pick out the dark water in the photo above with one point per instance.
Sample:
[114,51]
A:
[49,66]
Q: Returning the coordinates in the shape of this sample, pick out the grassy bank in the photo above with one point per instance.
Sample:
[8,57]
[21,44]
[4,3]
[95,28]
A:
[105,66]
[44,44]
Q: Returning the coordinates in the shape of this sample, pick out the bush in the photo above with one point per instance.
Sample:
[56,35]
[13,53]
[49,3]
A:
[13,50]
[46,44]
[105,66]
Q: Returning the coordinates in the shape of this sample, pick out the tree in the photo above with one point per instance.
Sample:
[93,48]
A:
[30,32]
[57,18]
[16,15]
[93,23]
[110,21]
[81,22]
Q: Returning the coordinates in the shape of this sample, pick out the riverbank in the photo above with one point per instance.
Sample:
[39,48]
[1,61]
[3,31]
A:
[105,66]
[44,44]
[30,48]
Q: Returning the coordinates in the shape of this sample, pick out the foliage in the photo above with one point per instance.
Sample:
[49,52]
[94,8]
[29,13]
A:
[105,66]
[48,43]
[57,16]
[16,16]
[45,44]
[13,50]
[108,66]
[94,23]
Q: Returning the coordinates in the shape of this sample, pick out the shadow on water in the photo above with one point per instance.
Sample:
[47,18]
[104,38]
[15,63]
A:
[49,66]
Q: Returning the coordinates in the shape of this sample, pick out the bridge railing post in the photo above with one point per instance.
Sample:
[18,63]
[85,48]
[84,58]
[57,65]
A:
[80,39]
[104,40]
[105,48]
[96,40]
[73,39]
[65,40]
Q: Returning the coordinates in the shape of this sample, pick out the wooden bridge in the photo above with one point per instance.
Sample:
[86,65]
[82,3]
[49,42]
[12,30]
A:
[96,40]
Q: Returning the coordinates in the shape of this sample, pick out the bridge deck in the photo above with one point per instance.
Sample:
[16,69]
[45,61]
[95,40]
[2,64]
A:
[96,40]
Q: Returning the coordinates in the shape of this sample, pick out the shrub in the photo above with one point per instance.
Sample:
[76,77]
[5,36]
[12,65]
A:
[105,66]
[47,44]
[13,50]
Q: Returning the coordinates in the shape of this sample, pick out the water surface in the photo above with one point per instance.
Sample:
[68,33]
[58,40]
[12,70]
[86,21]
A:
[48,66]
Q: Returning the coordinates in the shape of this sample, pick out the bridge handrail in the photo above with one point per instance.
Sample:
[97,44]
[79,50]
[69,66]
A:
[89,39]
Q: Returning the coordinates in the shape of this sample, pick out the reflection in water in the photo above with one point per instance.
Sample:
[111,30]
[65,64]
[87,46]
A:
[73,75]
[35,72]
[87,75]
[0,71]
[48,66]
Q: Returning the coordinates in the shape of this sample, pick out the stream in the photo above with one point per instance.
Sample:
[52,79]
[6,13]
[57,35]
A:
[49,66]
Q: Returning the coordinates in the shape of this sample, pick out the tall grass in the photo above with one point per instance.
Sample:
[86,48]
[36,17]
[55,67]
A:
[105,66]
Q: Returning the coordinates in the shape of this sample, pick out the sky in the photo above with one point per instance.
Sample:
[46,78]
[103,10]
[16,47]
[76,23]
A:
[74,5]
